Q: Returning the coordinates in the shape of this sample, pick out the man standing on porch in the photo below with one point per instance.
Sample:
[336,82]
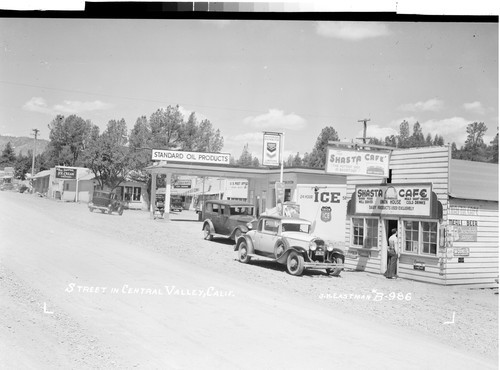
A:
[392,255]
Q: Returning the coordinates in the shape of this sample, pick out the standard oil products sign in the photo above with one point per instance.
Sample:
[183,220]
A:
[357,162]
[397,200]
[192,157]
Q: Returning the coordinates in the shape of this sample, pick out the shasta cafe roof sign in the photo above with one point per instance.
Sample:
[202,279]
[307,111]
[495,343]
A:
[191,157]
[346,161]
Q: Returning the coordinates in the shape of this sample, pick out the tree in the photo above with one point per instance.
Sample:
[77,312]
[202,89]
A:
[493,150]
[475,148]
[246,159]
[404,135]
[428,140]
[417,138]
[208,139]
[22,165]
[69,137]
[391,141]
[189,133]
[165,126]
[318,156]
[8,157]
[108,157]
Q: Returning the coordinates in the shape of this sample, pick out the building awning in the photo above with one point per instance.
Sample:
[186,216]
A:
[42,174]
[473,180]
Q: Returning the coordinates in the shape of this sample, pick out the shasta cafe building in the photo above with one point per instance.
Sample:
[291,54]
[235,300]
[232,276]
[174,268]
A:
[445,211]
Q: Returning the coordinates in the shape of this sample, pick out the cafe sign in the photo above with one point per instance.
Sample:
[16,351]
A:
[357,162]
[393,200]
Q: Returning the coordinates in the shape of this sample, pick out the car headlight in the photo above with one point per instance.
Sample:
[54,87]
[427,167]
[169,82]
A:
[249,225]
[312,246]
[329,247]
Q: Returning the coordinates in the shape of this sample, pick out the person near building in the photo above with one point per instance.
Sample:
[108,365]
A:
[392,255]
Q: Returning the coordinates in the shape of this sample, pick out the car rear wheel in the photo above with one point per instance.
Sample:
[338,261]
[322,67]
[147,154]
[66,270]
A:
[243,256]
[295,264]
[206,232]
[120,211]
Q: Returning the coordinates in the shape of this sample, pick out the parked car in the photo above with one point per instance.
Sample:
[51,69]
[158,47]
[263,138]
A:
[289,241]
[227,218]
[105,201]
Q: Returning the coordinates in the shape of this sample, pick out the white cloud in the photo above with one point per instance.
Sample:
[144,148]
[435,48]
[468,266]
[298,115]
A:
[433,105]
[451,129]
[276,119]
[38,104]
[352,30]
[474,107]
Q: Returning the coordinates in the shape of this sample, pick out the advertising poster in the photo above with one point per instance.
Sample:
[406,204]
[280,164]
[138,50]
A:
[326,207]
[271,149]
[357,162]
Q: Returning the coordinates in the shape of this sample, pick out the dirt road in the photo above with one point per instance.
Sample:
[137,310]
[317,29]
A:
[88,290]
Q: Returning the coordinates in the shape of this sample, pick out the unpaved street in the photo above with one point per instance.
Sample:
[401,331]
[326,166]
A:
[88,290]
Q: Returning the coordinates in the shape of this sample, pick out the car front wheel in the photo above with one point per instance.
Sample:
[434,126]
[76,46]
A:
[243,256]
[120,211]
[335,271]
[206,233]
[295,264]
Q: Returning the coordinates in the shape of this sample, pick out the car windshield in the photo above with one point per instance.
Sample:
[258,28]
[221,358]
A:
[242,210]
[303,228]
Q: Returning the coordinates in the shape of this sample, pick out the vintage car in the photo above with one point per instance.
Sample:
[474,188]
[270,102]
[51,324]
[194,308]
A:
[227,218]
[289,241]
[105,201]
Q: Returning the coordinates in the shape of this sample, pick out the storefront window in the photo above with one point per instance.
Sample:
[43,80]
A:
[137,194]
[371,233]
[365,232]
[411,236]
[429,237]
[357,231]
[421,237]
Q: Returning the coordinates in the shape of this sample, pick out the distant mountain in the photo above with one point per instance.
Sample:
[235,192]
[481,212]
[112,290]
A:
[23,144]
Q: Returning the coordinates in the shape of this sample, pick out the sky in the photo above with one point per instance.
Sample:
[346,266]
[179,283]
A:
[250,76]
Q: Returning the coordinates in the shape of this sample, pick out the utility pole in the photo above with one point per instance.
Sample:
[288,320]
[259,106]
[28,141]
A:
[35,130]
[364,128]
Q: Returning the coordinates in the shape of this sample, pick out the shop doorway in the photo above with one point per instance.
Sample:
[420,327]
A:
[389,224]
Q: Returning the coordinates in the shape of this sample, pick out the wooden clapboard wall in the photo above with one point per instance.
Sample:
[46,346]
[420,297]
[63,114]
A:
[424,165]
[480,260]
[415,165]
